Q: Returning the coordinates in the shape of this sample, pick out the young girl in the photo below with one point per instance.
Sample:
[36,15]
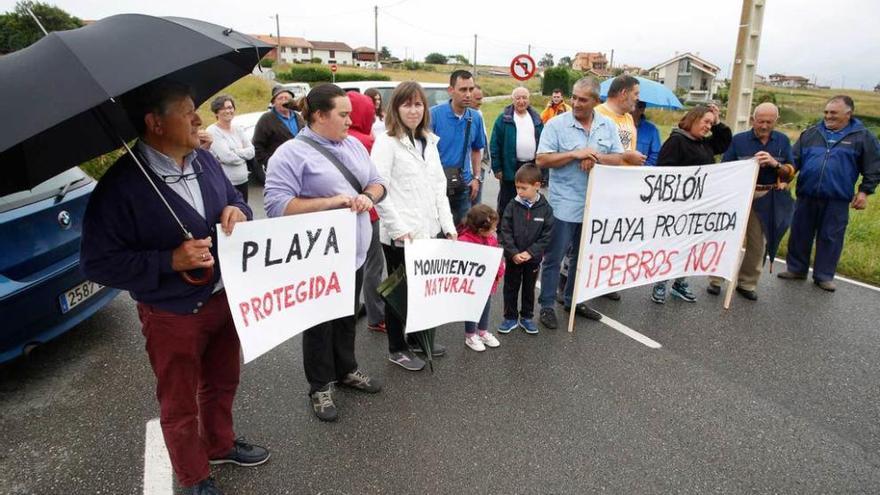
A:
[479,228]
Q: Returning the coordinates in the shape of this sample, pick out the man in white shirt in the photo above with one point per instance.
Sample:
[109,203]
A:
[515,138]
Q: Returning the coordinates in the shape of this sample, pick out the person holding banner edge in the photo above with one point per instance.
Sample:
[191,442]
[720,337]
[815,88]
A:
[324,168]
[691,144]
[416,207]
[571,144]
[772,149]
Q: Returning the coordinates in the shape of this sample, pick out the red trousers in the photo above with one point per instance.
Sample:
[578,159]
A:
[195,359]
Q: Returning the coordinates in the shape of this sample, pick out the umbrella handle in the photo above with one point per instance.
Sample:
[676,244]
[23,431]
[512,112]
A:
[205,279]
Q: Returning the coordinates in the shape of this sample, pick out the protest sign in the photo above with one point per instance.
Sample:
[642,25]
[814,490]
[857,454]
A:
[648,224]
[284,275]
[447,281]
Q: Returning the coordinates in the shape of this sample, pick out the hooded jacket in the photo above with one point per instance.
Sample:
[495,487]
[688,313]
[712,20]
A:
[363,114]
[682,149]
[503,145]
[467,235]
[829,169]
[526,228]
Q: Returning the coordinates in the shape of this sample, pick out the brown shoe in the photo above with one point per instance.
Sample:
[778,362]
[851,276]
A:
[787,275]
[828,285]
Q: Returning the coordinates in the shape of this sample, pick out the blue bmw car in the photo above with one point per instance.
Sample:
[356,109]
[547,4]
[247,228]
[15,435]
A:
[43,292]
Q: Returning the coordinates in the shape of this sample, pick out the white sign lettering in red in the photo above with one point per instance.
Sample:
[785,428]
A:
[523,67]
[285,275]
[647,224]
[447,281]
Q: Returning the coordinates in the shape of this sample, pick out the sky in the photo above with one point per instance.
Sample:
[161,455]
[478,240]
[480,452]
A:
[834,43]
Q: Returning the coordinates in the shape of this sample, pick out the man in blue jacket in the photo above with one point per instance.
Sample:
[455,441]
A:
[829,157]
[648,140]
[132,242]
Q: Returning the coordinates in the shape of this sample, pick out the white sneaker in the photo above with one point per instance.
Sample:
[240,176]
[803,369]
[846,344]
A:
[475,343]
[488,339]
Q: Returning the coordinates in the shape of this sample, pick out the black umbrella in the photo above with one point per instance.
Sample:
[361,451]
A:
[60,96]
[775,210]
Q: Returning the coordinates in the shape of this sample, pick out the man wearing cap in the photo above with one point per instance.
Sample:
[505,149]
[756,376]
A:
[276,126]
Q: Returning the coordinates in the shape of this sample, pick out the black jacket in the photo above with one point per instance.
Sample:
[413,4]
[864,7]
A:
[683,150]
[526,229]
[270,133]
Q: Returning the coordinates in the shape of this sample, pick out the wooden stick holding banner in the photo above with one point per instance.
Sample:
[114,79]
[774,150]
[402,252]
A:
[576,293]
[734,280]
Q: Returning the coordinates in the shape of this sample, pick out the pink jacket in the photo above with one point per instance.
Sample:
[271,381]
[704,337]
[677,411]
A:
[466,235]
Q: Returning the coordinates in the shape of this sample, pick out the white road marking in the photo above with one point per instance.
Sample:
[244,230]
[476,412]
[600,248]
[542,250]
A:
[629,332]
[157,464]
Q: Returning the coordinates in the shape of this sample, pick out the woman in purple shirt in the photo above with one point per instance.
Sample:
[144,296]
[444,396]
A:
[300,178]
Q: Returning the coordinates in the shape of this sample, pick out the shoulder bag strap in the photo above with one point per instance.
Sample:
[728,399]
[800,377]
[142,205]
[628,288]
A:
[335,161]
[467,135]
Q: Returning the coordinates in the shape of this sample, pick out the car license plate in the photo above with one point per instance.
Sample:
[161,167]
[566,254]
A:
[73,297]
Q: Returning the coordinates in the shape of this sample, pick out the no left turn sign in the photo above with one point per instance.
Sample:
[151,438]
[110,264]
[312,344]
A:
[522,67]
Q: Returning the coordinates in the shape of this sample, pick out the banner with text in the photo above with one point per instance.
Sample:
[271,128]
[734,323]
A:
[285,275]
[648,224]
[447,281]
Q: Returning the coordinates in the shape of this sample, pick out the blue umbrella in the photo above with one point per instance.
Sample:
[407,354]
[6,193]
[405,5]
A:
[651,92]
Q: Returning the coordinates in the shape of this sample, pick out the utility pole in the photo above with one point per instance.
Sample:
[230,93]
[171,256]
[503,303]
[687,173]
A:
[278,40]
[376,33]
[611,63]
[530,50]
[475,56]
[742,83]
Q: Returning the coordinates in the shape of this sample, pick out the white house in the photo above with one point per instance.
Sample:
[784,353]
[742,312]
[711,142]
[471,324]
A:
[292,49]
[333,52]
[689,72]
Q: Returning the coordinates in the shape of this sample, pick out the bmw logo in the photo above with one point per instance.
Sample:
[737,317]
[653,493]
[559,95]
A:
[64,220]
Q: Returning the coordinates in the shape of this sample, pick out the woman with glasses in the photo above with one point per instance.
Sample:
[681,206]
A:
[231,147]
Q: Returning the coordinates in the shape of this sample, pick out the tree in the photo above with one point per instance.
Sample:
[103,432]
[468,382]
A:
[384,53]
[436,58]
[564,62]
[18,29]
[459,59]
[546,61]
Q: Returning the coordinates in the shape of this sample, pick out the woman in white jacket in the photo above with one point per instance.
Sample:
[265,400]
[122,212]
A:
[416,206]
[231,146]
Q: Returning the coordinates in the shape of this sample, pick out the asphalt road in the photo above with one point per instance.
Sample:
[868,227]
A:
[777,396]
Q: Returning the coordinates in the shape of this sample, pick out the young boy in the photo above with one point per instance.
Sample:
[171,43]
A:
[524,235]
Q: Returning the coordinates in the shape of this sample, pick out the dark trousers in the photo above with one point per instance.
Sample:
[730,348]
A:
[195,358]
[825,221]
[506,193]
[520,278]
[394,326]
[243,189]
[328,348]
[460,204]
[564,238]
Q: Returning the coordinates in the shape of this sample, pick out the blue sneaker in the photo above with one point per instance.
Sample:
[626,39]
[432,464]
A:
[682,290]
[507,326]
[529,326]
[658,293]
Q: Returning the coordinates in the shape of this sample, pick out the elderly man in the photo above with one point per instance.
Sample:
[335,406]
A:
[485,158]
[570,145]
[829,157]
[276,126]
[515,137]
[459,128]
[773,151]
[555,106]
[648,140]
[623,94]
[131,241]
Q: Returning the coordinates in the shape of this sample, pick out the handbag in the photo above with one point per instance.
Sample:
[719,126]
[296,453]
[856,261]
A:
[454,178]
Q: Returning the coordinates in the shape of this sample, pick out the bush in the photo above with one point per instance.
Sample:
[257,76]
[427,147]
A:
[413,65]
[267,63]
[316,60]
[436,58]
[323,74]
[559,77]
[763,97]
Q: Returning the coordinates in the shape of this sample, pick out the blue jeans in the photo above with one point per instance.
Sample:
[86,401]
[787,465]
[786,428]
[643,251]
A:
[470,327]
[822,219]
[564,235]
[460,204]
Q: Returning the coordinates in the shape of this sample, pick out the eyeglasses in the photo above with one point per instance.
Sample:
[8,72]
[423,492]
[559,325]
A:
[174,179]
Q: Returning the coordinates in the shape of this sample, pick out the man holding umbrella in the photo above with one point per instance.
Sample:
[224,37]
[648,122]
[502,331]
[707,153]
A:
[131,243]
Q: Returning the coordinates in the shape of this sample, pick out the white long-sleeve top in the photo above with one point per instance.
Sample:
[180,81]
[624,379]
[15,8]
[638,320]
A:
[232,148]
[416,202]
